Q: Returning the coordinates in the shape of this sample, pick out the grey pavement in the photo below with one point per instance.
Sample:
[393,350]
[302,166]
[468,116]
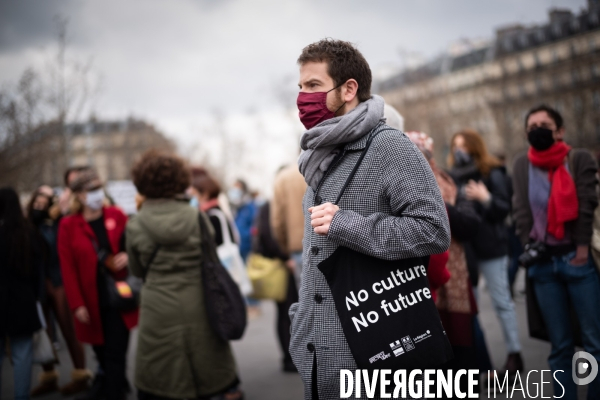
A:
[259,357]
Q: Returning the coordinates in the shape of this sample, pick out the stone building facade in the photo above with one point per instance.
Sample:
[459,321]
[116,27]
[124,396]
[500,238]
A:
[491,87]
[109,146]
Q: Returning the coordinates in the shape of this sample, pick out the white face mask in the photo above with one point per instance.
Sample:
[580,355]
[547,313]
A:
[95,199]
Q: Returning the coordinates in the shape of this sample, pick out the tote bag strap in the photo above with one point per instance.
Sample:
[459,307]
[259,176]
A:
[207,242]
[362,156]
[146,269]
[224,225]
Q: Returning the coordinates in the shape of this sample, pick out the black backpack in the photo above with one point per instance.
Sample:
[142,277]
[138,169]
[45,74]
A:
[225,304]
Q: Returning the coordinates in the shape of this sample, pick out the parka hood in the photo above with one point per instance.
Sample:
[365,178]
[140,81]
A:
[168,222]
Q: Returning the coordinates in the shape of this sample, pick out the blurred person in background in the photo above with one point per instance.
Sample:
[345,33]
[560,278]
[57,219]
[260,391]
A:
[90,230]
[20,288]
[245,212]
[265,244]
[244,208]
[54,299]
[480,178]
[554,201]
[393,118]
[205,192]
[287,216]
[66,196]
[179,355]
[455,298]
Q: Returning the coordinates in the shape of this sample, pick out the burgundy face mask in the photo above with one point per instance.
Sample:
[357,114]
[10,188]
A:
[313,108]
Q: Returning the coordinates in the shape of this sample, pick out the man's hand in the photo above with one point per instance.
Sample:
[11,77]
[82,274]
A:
[581,256]
[82,315]
[321,217]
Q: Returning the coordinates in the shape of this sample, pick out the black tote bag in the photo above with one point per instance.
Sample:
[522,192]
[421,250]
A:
[385,307]
[225,305]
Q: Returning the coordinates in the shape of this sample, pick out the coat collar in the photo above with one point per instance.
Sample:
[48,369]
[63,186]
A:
[89,232]
[361,143]
[358,144]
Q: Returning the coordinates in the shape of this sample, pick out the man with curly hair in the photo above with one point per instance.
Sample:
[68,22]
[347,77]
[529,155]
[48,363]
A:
[392,209]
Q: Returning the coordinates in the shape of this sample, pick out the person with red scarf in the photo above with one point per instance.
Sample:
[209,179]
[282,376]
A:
[553,203]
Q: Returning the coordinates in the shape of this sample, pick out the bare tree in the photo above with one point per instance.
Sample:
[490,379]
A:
[34,113]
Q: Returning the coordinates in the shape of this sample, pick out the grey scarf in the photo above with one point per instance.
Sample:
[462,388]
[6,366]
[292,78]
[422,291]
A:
[321,141]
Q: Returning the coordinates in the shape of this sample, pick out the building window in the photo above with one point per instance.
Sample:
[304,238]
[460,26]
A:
[522,91]
[578,104]
[595,71]
[558,106]
[556,81]
[554,55]
[507,44]
[596,100]
[539,84]
[523,41]
[536,59]
[540,35]
[575,77]
[556,29]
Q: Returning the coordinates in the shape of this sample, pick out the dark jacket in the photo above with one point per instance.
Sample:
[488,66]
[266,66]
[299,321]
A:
[583,169]
[464,223]
[178,355]
[19,289]
[263,242]
[491,240]
[49,232]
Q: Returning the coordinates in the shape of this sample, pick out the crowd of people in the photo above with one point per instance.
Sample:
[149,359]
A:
[64,256]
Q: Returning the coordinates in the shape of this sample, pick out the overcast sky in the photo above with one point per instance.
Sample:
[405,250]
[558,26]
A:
[175,61]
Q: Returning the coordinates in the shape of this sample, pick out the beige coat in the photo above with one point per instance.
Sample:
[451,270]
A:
[178,354]
[287,216]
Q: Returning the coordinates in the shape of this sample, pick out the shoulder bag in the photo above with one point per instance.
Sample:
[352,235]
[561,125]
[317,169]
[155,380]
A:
[224,302]
[385,307]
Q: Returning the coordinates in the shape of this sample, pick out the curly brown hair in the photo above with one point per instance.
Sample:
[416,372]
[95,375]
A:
[159,175]
[344,62]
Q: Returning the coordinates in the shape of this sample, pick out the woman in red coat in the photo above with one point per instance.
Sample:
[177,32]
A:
[94,229]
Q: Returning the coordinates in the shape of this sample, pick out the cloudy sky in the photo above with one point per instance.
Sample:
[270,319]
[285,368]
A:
[175,62]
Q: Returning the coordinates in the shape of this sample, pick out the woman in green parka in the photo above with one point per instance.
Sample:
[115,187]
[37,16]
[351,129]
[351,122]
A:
[179,356]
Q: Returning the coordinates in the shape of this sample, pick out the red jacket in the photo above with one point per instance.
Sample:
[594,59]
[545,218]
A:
[437,272]
[78,262]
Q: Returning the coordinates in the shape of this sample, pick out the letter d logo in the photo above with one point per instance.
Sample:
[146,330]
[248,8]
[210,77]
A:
[583,367]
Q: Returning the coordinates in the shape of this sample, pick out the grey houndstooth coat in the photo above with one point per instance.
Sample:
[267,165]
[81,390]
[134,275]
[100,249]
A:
[392,209]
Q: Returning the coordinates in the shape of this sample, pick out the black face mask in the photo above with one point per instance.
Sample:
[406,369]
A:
[540,138]
[38,216]
[461,158]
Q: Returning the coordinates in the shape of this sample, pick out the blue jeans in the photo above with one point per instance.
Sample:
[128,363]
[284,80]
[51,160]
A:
[557,285]
[495,272]
[21,349]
